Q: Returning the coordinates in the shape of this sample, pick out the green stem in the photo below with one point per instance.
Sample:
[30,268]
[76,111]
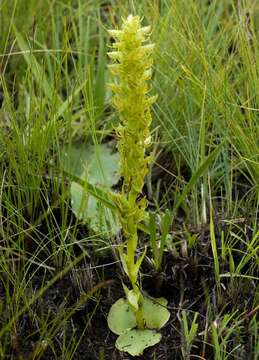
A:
[132,60]
[132,240]
[139,313]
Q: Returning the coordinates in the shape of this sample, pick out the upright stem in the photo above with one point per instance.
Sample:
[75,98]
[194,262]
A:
[132,69]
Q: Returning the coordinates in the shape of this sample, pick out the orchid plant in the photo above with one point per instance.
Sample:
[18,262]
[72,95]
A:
[137,317]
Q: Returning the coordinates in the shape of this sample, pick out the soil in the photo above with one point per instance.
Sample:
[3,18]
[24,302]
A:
[183,281]
[186,280]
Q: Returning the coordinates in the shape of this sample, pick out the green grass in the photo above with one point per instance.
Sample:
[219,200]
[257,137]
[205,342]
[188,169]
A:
[53,75]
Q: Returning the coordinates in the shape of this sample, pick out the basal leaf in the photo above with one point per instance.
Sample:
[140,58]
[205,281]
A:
[98,165]
[136,341]
[155,312]
[121,318]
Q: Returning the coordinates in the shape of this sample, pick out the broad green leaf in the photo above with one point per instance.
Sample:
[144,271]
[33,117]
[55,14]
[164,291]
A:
[136,341]
[99,194]
[99,166]
[92,212]
[121,318]
[155,312]
[94,163]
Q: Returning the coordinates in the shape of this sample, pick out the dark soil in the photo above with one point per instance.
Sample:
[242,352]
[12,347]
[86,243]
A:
[187,282]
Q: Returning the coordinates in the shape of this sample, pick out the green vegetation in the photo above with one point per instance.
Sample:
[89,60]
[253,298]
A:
[133,60]
[60,271]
